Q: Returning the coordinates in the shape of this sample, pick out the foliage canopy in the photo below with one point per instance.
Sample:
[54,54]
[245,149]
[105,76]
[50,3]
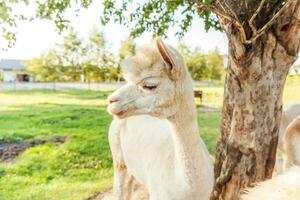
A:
[156,16]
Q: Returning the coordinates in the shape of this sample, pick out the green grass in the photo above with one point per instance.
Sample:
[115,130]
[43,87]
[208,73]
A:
[212,96]
[291,91]
[82,166]
[209,129]
[74,170]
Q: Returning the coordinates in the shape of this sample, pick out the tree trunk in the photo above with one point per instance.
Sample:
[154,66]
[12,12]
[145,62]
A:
[252,105]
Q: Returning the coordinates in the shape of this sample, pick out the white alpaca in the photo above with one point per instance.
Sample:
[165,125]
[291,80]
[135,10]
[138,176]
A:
[292,143]
[285,186]
[154,136]
[288,115]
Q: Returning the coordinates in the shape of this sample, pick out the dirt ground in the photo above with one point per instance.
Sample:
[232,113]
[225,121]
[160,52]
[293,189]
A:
[10,150]
[138,193]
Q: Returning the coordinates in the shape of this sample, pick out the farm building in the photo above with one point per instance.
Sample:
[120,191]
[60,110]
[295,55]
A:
[12,70]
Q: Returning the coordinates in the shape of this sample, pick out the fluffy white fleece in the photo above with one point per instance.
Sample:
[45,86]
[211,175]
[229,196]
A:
[282,187]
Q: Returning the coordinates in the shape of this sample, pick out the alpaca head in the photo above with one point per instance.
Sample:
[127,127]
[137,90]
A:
[155,77]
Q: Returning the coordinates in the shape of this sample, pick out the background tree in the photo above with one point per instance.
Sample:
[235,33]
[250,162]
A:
[264,40]
[201,66]
[46,67]
[96,49]
[62,63]
[215,63]
[77,60]
[197,65]
[98,60]
[71,52]
[184,50]
[127,48]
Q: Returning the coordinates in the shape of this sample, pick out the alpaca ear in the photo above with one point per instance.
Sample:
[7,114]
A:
[172,59]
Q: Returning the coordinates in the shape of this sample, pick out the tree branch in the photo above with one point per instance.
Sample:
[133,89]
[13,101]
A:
[287,29]
[221,5]
[230,10]
[223,16]
[269,24]
[256,34]
[253,28]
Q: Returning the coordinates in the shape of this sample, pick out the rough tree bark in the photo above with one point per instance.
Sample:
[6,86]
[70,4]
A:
[263,46]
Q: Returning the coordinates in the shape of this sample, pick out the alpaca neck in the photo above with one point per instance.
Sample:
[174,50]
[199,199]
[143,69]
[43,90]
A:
[191,157]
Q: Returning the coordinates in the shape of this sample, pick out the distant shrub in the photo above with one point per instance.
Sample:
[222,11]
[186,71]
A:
[203,66]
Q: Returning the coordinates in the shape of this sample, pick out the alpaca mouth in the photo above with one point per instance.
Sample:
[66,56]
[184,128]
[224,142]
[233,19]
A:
[116,112]
[119,114]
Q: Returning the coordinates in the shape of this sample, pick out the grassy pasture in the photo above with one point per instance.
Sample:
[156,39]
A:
[81,166]
[73,170]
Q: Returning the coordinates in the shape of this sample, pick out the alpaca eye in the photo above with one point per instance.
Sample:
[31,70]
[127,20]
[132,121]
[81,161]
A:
[149,87]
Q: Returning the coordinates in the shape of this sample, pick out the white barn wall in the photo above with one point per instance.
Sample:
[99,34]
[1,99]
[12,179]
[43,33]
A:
[9,76]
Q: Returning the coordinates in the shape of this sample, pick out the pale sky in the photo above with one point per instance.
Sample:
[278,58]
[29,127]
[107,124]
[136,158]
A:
[40,35]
